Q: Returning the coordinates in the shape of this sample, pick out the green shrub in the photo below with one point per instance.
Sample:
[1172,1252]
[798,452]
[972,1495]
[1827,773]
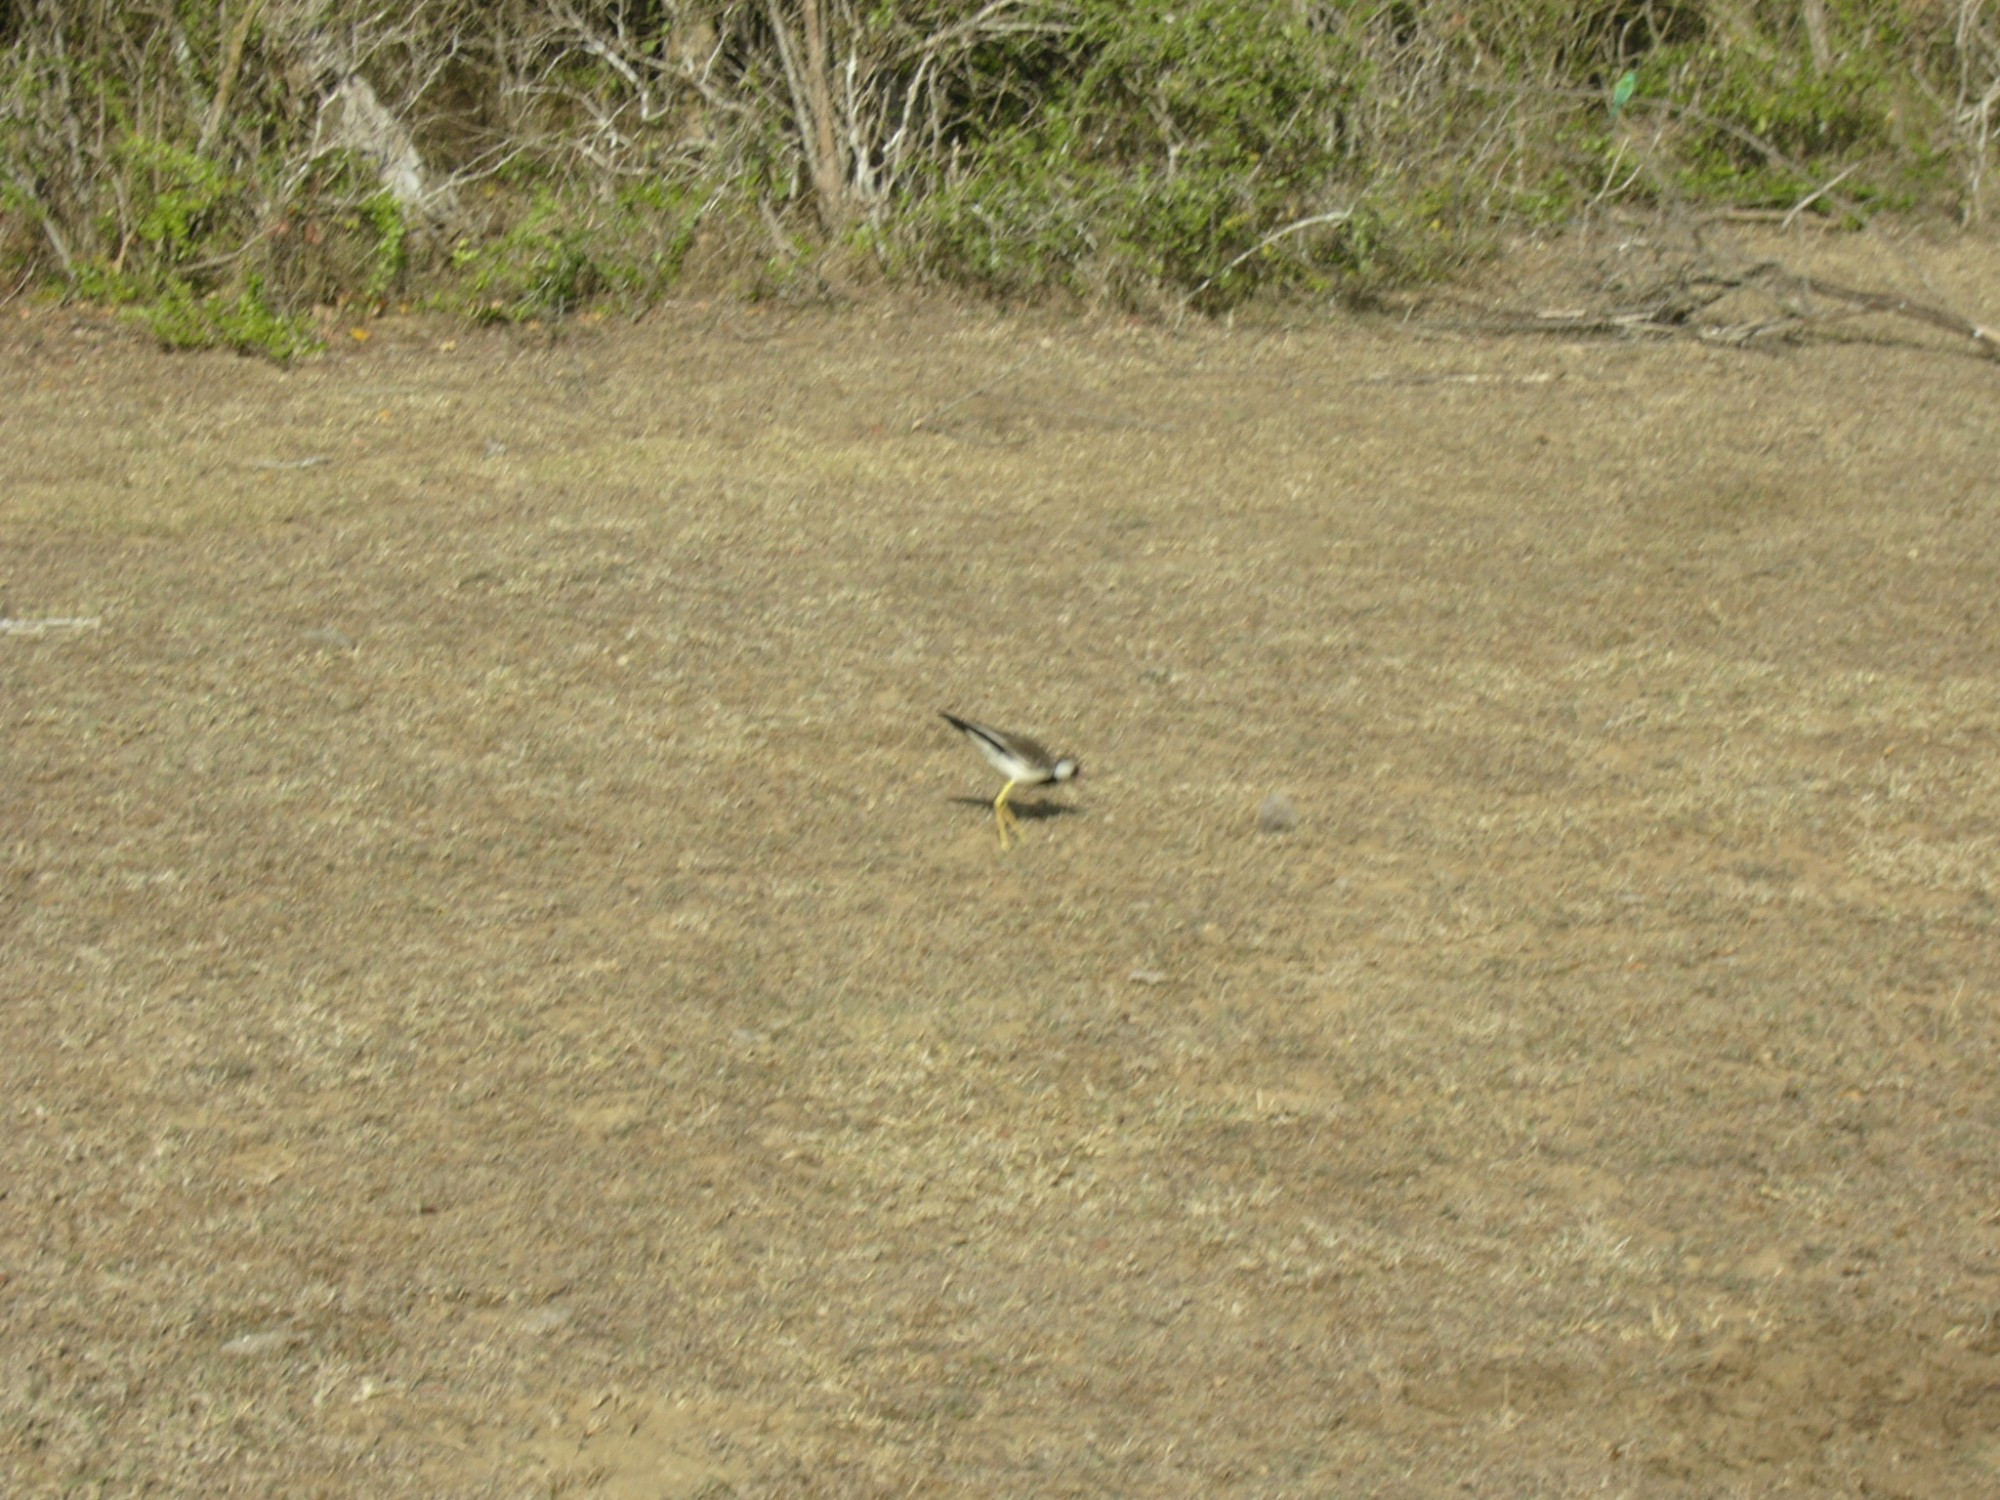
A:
[566,251]
[1747,116]
[1142,153]
[389,257]
[1169,143]
[179,198]
[247,323]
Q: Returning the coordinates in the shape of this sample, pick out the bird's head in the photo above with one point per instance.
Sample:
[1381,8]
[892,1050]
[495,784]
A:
[1066,770]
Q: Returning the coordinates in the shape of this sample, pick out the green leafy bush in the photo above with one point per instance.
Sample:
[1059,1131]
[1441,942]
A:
[203,161]
[179,197]
[564,253]
[1162,147]
[1756,127]
[247,323]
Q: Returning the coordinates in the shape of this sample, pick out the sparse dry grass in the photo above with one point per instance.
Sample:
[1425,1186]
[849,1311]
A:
[510,988]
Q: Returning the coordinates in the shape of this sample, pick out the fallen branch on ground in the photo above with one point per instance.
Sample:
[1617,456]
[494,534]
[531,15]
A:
[1674,309]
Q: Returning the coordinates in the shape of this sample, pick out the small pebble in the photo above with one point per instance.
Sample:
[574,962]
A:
[1277,815]
[545,1320]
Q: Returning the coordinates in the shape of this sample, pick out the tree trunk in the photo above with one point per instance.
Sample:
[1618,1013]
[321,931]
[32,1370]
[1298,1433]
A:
[810,78]
[1822,50]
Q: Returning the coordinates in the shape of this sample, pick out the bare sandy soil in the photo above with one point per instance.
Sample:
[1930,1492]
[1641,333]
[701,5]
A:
[507,986]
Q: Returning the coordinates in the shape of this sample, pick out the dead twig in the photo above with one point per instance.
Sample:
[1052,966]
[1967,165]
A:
[1895,304]
[51,625]
[232,66]
[1338,216]
[1814,196]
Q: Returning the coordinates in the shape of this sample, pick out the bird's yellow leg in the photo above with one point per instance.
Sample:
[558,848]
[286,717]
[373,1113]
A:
[1003,815]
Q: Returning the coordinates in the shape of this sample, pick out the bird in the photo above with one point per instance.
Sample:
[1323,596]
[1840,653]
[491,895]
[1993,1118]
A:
[1021,760]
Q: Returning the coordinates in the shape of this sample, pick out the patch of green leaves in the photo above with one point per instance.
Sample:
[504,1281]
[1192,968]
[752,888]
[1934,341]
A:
[1757,123]
[1173,142]
[389,256]
[181,196]
[565,252]
[183,226]
[182,319]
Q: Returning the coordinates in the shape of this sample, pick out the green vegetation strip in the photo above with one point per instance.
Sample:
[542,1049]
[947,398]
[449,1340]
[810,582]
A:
[224,169]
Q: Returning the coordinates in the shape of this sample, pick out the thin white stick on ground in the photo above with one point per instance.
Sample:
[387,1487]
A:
[53,624]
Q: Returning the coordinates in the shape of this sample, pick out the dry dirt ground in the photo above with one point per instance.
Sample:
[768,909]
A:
[510,989]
